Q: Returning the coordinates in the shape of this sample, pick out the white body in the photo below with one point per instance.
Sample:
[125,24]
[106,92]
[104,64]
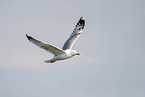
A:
[68,54]
[63,56]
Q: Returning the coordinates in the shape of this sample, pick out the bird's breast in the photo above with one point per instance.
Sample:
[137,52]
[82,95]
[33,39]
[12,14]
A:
[62,56]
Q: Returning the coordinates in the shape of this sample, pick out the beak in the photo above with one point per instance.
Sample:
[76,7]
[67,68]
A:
[77,53]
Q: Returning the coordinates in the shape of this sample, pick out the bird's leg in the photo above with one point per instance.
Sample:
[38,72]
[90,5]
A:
[52,61]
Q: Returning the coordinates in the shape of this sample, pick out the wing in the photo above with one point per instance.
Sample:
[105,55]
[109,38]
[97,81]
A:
[75,34]
[48,47]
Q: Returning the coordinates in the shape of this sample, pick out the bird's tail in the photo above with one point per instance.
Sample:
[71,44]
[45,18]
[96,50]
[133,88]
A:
[50,61]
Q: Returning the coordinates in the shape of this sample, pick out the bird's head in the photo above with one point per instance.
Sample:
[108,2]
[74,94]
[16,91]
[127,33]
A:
[73,52]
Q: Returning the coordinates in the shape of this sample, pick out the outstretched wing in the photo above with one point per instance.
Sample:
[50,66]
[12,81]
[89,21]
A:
[48,47]
[75,34]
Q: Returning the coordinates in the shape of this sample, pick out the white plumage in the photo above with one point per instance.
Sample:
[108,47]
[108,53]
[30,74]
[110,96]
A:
[66,52]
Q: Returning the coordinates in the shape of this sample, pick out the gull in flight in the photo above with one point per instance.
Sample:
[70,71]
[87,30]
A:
[66,52]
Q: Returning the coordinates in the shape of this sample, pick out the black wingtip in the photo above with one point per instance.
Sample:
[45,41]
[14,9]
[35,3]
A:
[29,37]
[81,22]
[82,18]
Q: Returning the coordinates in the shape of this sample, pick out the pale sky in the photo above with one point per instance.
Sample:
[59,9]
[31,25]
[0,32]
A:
[112,48]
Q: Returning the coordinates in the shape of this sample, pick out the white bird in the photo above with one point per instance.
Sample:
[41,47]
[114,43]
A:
[66,52]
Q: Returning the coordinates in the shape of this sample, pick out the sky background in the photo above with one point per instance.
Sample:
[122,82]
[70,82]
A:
[112,48]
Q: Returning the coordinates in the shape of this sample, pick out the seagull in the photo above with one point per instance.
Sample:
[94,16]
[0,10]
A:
[66,52]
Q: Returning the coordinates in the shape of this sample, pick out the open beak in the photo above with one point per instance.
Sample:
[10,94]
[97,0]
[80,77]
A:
[77,53]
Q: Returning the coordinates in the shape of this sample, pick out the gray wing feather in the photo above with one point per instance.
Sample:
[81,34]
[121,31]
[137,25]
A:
[48,47]
[75,34]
